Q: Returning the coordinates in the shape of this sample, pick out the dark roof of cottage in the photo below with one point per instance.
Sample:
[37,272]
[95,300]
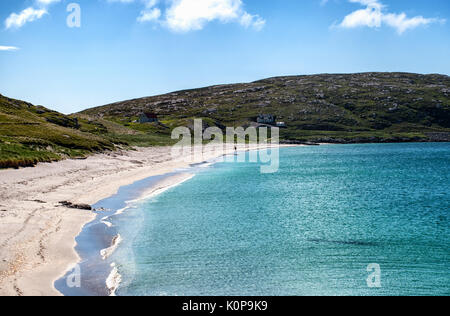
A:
[150,114]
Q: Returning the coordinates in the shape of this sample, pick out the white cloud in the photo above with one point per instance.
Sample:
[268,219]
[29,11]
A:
[8,48]
[255,21]
[375,15]
[192,15]
[401,23]
[149,15]
[47,2]
[28,15]
[187,15]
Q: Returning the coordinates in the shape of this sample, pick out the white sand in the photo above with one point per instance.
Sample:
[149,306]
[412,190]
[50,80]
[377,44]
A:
[37,236]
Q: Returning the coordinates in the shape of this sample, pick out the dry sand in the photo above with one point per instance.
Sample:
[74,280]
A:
[37,235]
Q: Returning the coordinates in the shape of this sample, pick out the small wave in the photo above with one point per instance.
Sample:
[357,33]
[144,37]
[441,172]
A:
[113,281]
[104,221]
[157,190]
[122,209]
[106,253]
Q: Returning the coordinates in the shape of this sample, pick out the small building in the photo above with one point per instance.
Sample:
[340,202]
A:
[148,117]
[266,119]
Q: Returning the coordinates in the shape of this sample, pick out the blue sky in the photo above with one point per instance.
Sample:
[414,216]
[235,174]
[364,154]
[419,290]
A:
[134,48]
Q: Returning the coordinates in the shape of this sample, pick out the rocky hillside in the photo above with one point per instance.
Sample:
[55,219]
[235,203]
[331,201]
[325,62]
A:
[367,107]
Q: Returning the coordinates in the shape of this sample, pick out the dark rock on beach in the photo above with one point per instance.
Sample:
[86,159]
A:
[76,206]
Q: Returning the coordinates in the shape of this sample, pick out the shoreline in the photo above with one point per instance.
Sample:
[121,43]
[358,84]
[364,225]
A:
[37,243]
[97,243]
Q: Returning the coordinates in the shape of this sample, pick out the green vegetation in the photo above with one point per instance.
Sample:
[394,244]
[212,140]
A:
[353,108]
[30,134]
[368,107]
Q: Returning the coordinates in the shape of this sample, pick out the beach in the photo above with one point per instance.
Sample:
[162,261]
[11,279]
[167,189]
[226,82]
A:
[37,237]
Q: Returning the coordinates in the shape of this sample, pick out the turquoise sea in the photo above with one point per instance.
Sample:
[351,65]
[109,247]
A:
[310,229]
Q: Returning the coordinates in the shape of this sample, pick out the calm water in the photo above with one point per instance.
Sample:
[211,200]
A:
[310,229]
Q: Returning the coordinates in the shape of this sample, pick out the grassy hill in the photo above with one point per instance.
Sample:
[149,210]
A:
[367,107]
[30,134]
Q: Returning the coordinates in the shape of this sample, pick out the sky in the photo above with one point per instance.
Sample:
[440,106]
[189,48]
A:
[70,55]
